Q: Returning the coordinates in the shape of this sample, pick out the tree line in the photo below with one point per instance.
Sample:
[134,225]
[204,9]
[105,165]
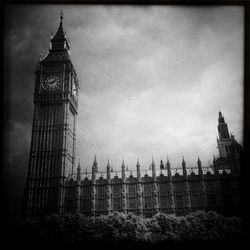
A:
[123,230]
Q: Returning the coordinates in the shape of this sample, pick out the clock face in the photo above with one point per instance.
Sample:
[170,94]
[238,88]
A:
[51,83]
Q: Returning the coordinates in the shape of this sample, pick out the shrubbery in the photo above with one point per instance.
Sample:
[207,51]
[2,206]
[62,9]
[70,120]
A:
[120,228]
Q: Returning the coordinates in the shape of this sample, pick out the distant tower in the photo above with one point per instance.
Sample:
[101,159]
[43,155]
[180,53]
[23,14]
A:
[229,149]
[224,140]
[52,151]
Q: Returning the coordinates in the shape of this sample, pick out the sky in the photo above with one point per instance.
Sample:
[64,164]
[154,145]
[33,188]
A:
[152,80]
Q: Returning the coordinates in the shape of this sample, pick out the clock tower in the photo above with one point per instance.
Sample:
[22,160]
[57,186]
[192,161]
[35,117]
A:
[53,141]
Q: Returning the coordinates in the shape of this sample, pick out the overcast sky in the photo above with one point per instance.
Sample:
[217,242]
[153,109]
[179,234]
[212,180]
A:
[152,80]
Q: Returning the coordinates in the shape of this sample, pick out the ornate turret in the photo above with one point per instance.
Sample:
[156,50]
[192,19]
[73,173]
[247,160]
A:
[108,189]
[123,171]
[78,189]
[184,168]
[139,190]
[153,169]
[169,169]
[124,203]
[199,166]
[138,170]
[161,165]
[108,172]
[93,189]
[94,169]
[216,170]
[188,201]
[78,176]
[171,188]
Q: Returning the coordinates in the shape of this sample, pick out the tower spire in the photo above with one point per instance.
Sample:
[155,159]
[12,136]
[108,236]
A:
[58,41]
[184,168]
[61,15]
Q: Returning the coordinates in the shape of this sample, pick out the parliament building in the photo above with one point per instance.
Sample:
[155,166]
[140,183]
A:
[55,183]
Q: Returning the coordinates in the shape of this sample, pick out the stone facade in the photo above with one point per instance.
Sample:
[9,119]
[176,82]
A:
[158,190]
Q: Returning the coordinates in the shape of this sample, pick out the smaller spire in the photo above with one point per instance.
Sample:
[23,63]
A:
[184,169]
[138,169]
[167,158]
[153,162]
[183,161]
[221,118]
[168,163]
[95,165]
[214,160]
[198,161]
[199,166]
[95,161]
[161,165]
[108,171]
[61,15]
[123,164]
[78,171]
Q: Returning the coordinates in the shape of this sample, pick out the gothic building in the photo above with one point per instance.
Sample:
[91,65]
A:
[52,151]
[54,186]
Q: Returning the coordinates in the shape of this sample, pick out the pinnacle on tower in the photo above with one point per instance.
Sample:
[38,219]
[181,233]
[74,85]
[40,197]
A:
[169,168]
[138,163]
[161,165]
[78,171]
[138,170]
[184,169]
[95,165]
[153,162]
[199,166]
[123,164]
[58,41]
[61,15]
[168,162]
[95,161]
[221,118]
[222,127]
[198,161]
[183,161]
